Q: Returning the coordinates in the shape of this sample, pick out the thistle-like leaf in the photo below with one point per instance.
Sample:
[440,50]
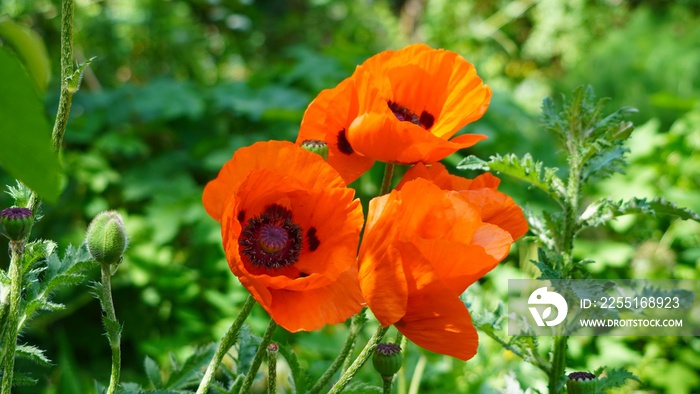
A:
[550,265]
[189,373]
[525,169]
[299,374]
[602,211]
[247,348]
[32,353]
[113,329]
[615,377]
[153,373]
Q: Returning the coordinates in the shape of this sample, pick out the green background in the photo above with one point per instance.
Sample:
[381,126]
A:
[177,86]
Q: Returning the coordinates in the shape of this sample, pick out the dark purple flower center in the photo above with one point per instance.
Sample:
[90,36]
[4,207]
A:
[424,120]
[343,143]
[387,349]
[16,213]
[271,240]
[581,376]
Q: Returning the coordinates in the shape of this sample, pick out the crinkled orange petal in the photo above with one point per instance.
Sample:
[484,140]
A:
[496,207]
[327,119]
[382,137]
[312,309]
[381,275]
[436,319]
[282,157]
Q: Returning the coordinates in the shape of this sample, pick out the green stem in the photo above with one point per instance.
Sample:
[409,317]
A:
[113,332]
[66,97]
[257,360]
[355,326]
[11,326]
[386,180]
[272,370]
[558,363]
[388,382]
[361,359]
[226,343]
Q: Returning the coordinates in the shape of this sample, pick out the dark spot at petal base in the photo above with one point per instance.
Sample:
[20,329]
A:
[303,274]
[311,237]
[344,144]
[241,216]
[426,120]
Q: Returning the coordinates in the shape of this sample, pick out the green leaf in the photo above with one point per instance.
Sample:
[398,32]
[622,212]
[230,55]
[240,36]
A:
[300,376]
[604,210]
[25,136]
[33,354]
[73,80]
[525,169]
[614,378]
[153,373]
[189,373]
[29,47]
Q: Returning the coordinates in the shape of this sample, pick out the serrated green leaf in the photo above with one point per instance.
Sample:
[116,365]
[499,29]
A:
[190,372]
[361,388]
[23,379]
[153,373]
[113,329]
[604,210]
[604,163]
[550,266]
[33,354]
[247,348]
[525,169]
[73,80]
[615,377]
[30,159]
[300,376]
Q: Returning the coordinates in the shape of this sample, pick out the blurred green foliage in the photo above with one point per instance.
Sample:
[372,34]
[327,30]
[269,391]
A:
[177,86]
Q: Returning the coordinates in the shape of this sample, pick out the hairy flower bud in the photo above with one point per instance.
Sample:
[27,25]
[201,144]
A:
[106,238]
[582,383]
[387,359]
[316,146]
[17,222]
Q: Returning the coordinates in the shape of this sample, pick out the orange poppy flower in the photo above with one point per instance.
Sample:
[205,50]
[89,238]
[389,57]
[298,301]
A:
[412,101]
[290,230]
[327,119]
[422,247]
[496,208]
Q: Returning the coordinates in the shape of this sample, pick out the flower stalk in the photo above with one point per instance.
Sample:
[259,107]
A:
[112,327]
[226,343]
[355,326]
[12,324]
[258,359]
[361,359]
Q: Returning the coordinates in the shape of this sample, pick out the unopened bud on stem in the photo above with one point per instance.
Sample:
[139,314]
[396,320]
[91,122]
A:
[387,359]
[17,222]
[106,238]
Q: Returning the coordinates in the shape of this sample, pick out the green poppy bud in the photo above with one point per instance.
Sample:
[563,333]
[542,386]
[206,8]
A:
[387,359]
[17,222]
[582,383]
[316,146]
[106,238]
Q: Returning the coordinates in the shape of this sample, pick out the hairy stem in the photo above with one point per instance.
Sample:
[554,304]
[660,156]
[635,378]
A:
[257,360]
[361,359]
[355,326]
[272,370]
[113,331]
[11,326]
[387,383]
[226,342]
[558,363]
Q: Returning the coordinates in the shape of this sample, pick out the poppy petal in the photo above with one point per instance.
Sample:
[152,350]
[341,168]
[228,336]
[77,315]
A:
[312,309]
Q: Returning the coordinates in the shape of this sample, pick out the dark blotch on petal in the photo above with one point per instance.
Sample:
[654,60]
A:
[426,120]
[303,274]
[241,216]
[314,243]
[344,144]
